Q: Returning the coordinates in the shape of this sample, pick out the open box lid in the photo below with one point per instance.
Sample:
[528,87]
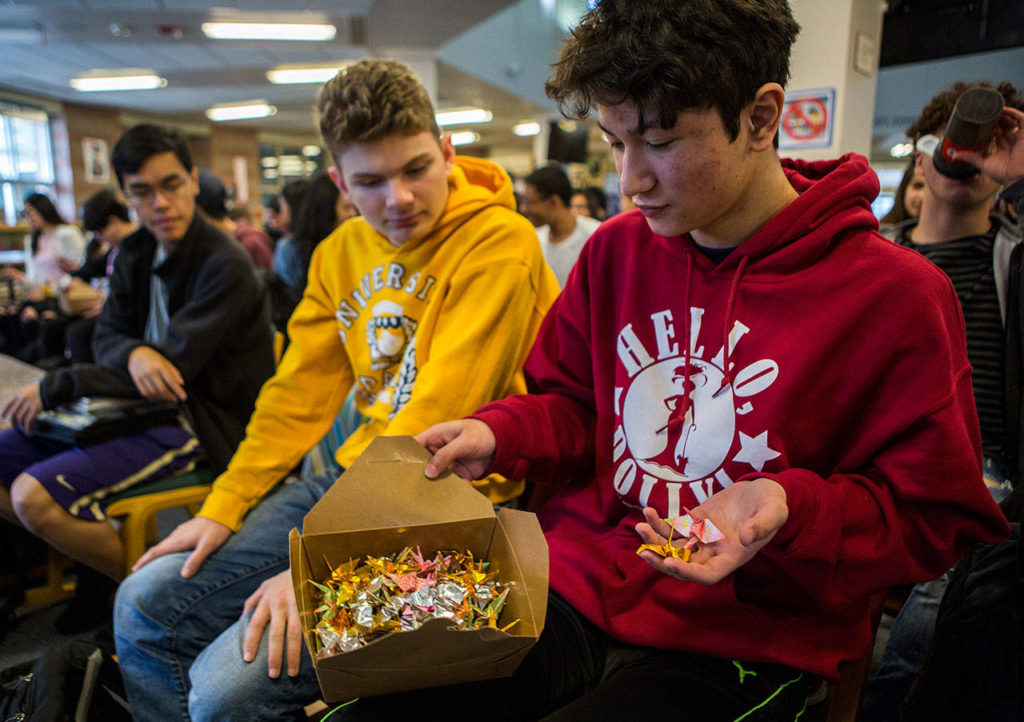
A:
[386,487]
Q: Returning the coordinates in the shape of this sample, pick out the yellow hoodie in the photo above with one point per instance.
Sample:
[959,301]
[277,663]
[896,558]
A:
[427,332]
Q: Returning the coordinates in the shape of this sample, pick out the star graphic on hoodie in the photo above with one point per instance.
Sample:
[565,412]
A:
[755,450]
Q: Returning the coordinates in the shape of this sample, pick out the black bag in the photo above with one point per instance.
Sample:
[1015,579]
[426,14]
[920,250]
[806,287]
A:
[74,680]
[91,419]
[975,668]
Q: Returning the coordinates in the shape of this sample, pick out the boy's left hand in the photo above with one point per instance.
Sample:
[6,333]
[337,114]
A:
[749,513]
[274,605]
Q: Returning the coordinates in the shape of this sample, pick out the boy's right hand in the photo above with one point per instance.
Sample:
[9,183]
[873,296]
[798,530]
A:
[200,535]
[466,447]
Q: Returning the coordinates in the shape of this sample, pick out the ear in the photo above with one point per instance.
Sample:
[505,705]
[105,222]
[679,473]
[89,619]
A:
[448,151]
[194,177]
[764,114]
[335,175]
[919,162]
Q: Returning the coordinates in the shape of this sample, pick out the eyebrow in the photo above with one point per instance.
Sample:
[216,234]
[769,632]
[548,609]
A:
[418,159]
[140,184]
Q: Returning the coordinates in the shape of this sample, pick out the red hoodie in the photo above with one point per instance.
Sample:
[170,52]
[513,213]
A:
[847,382]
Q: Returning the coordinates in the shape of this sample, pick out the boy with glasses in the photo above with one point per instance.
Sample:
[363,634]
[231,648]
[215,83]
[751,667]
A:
[185,321]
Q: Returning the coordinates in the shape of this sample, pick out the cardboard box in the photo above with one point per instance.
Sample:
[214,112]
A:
[384,503]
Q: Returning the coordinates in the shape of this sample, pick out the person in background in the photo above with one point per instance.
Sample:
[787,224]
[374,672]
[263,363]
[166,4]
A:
[598,201]
[546,198]
[212,199]
[52,248]
[33,329]
[982,254]
[907,202]
[320,215]
[271,212]
[107,218]
[185,322]
[580,205]
[684,369]
[422,306]
[291,201]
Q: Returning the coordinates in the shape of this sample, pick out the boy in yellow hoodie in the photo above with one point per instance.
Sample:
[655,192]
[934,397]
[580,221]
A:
[426,306]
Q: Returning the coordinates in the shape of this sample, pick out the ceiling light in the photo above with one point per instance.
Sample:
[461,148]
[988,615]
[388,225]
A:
[304,74]
[526,129]
[258,109]
[311,151]
[463,115]
[269,31]
[137,80]
[465,137]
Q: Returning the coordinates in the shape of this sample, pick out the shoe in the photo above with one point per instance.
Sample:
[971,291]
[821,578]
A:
[93,603]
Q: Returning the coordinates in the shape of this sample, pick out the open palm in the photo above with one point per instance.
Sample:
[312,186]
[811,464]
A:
[748,513]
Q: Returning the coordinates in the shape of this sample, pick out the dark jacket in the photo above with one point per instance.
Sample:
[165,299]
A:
[1007,260]
[219,335]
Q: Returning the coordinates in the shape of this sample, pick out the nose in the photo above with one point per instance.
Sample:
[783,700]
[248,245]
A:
[399,194]
[635,175]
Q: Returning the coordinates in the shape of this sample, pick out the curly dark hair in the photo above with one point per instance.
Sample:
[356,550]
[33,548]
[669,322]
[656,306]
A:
[937,112]
[371,99]
[672,55]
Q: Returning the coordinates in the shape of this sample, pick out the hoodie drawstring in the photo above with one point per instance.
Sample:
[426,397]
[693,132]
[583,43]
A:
[730,306]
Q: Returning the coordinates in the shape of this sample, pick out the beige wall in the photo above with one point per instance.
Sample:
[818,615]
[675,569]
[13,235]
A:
[825,57]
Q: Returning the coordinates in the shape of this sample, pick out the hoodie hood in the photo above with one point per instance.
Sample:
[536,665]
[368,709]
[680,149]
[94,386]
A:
[473,184]
[835,199]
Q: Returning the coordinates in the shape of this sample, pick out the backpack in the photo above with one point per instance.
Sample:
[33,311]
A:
[975,668]
[74,680]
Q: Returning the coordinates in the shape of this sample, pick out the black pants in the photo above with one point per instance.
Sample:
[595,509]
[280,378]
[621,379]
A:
[577,672]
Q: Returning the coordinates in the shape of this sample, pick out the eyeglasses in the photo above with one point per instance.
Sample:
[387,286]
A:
[170,189]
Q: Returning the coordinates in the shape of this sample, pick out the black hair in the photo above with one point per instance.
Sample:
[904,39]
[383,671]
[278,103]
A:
[667,56]
[317,219]
[142,142]
[47,211]
[551,181]
[597,201]
[294,194]
[99,207]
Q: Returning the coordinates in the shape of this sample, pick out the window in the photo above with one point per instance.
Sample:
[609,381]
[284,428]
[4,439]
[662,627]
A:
[26,157]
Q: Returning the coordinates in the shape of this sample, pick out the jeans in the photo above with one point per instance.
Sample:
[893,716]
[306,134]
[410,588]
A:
[911,637]
[179,640]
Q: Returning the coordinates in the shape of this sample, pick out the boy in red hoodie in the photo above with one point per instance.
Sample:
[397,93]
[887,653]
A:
[744,345]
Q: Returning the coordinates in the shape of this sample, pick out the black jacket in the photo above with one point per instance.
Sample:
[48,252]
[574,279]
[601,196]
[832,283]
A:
[219,335]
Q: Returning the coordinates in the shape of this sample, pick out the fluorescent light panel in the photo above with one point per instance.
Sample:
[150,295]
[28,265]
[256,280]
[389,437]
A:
[465,137]
[287,76]
[463,115]
[269,31]
[240,112]
[94,83]
[525,129]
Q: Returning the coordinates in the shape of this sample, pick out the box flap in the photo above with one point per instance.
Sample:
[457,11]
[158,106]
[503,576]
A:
[386,487]
[528,550]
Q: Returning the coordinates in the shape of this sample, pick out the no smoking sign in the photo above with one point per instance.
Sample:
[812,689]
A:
[807,119]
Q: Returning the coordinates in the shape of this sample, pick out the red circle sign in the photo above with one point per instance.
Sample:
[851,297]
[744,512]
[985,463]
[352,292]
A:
[805,119]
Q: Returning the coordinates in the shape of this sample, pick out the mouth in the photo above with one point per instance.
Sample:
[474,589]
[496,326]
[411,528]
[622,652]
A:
[649,210]
[405,221]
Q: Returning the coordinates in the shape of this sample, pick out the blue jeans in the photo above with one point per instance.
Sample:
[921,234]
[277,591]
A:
[179,640]
[911,637]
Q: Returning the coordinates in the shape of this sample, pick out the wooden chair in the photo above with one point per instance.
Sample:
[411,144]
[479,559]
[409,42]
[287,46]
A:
[844,702]
[137,507]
